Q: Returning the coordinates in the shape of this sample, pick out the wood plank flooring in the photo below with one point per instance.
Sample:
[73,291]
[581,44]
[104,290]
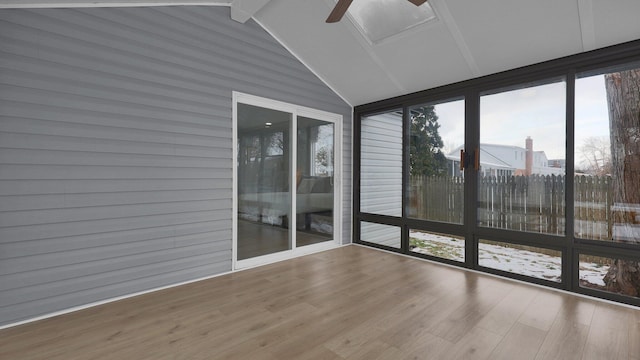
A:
[348,303]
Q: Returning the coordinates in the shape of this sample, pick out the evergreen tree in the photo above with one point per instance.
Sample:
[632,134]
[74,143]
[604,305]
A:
[425,155]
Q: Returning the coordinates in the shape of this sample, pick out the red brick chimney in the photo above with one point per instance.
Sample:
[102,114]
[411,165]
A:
[528,156]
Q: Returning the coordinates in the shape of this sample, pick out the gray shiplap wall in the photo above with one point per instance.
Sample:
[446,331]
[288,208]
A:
[115,147]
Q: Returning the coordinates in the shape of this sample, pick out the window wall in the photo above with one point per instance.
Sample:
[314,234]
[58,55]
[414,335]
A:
[532,174]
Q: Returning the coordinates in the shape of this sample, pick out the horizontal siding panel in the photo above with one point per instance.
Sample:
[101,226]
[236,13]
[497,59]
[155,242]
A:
[376,191]
[108,63]
[54,230]
[110,117]
[372,177]
[373,144]
[40,186]
[91,28]
[114,107]
[60,157]
[177,271]
[112,238]
[244,40]
[62,215]
[60,201]
[381,182]
[59,124]
[391,138]
[64,79]
[89,172]
[26,71]
[126,51]
[69,143]
[105,259]
[380,160]
[196,38]
[148,267]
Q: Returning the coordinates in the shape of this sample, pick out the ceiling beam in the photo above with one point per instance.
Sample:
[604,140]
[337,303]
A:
[442,11]
[243,10]
[587,24]
[13,4]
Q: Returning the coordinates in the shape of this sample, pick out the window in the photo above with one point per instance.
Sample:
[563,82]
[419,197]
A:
[445,246]
[380,234]
[607,150]
[523,260]
[436,137]
[602,273]
[532,197]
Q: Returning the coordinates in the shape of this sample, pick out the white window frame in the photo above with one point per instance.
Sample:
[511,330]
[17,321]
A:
[295,111]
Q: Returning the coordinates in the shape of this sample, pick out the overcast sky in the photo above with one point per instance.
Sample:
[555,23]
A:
[507,118]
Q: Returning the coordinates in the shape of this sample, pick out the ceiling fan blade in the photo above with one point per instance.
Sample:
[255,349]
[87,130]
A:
[417,2]
[338,12]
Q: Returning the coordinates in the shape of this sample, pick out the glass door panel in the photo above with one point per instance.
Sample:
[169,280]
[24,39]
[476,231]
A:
[264,173]
[436,183]
[521,175]
[314,181]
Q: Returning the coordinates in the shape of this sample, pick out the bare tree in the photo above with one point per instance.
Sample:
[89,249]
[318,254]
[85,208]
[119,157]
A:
[596,155]
[623,98]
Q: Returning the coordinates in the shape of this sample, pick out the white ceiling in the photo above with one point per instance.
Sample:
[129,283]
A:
[471,38]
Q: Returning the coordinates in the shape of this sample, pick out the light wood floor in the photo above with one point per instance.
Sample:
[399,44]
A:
[348,303]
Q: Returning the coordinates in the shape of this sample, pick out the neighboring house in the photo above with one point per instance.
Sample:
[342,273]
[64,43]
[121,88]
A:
[507,160]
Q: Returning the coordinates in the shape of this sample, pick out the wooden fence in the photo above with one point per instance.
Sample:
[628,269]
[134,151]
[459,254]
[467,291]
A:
[437,198]
[533,203]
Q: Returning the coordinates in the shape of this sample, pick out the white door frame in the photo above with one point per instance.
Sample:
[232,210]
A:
[296,111]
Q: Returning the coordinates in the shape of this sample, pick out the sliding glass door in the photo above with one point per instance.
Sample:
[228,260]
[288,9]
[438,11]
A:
[263,182]
[286,177]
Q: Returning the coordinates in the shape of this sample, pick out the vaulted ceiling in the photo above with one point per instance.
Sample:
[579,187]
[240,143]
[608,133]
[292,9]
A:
[470,38]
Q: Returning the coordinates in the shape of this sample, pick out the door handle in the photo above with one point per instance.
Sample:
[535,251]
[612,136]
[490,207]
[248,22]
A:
[465,159]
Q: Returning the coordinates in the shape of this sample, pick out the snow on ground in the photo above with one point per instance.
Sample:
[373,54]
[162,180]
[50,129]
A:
[518,261]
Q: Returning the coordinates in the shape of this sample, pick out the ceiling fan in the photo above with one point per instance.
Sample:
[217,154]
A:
[341,8]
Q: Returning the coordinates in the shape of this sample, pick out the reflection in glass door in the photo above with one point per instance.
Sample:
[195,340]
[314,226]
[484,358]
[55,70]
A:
[263,168]
[314,181]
